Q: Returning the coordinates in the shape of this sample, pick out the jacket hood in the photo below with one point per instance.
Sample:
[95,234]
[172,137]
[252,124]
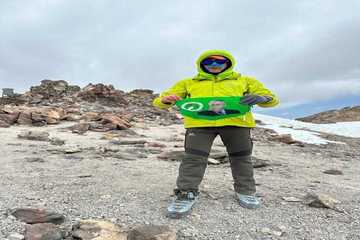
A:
[226,74]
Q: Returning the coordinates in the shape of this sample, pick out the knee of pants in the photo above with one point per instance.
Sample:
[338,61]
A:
[240,158]
[193,159]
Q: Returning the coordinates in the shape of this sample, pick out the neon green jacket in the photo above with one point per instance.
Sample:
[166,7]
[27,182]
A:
[225,84]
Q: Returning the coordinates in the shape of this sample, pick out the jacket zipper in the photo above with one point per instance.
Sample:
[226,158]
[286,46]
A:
[213,83]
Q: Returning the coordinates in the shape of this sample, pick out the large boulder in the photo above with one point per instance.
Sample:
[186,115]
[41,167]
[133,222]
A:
[9,118]
[106,94]
[52,89]
[25,118]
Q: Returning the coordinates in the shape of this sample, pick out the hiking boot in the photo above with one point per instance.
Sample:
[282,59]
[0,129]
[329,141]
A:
[248,201]
[182,204]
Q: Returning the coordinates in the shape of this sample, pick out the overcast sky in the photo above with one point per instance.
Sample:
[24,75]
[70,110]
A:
[304,51]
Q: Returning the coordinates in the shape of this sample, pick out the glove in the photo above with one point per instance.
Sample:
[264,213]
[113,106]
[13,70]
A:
[251,99]
[170,99]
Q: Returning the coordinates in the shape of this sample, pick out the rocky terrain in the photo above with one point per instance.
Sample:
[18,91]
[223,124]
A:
[99,163]
[347,114]
[102,107]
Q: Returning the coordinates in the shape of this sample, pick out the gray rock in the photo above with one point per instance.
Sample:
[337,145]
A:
[34,159]
[152,232]
[333,172]
[34,135]
[259,163]
[72,149]
[57,141]
[128,142]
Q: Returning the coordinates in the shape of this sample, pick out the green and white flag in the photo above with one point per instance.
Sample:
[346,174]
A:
[212,108]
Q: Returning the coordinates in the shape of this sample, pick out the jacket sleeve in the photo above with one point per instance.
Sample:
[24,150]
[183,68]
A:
[256,87]
[178,89]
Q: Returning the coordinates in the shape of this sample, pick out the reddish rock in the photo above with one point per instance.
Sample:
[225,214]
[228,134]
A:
[25,118]
[116,121]
[32,216]
[106,94]
[91,116]
[4,124]
[9,118]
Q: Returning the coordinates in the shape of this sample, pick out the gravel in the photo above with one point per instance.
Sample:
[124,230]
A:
[137,192]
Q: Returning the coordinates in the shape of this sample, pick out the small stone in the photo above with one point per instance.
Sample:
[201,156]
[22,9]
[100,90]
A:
[34,159]
[285,138]
[172,155]
[156,145]
[266,230]
[73,157]
[70,149]
[128,142]
[80,128]
[213,161]
[85,176]
[321,201]
[152,232]
[291,199]
[57,141]
[259,163]
[15,236]
[333,172]
[119,134]
[34,135]
[124,156]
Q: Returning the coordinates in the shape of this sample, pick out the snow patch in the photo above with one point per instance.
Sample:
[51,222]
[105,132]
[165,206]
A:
[303,131]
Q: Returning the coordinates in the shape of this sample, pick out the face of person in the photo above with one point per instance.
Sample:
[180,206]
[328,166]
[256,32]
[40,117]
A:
[216,106]
[215,64]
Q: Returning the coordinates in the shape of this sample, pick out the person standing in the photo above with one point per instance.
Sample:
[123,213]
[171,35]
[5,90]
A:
[216,78]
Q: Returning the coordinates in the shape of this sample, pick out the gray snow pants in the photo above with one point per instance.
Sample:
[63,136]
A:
[198,142]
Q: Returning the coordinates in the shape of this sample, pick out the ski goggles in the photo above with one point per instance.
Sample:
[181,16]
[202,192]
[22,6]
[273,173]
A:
[211,61]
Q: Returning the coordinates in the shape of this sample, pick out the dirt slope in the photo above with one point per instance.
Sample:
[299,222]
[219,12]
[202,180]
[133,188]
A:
[347,114]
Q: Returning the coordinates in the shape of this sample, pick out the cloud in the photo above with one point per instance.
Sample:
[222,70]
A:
[305,51]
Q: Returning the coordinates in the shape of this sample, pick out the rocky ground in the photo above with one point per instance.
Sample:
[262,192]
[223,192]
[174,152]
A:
[100,163]
[332,116]
[126,177]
